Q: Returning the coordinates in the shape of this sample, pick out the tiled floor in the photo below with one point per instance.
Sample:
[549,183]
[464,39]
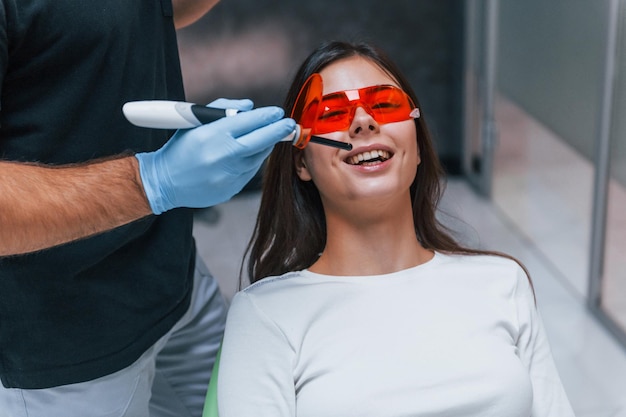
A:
[591,363]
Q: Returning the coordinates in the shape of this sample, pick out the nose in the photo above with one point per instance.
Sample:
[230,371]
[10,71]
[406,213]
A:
[363,122]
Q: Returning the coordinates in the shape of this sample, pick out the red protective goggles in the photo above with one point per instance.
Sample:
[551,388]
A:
[335,112]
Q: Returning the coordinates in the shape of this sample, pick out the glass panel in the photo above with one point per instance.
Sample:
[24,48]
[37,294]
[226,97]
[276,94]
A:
[614,277]
[550,59]
[474,108]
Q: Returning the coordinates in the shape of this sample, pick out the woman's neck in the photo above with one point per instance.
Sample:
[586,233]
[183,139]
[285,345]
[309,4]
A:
[370,245]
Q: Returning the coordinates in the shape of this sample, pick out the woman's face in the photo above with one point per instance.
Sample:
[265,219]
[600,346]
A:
[384,158]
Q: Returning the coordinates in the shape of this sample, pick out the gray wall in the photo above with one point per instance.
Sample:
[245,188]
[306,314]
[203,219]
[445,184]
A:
[252,48]
[618,132]
[551,56]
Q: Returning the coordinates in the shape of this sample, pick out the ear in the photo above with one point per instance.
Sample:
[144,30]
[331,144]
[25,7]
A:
[301,168]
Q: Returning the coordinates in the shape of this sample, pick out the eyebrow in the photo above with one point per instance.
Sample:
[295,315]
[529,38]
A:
[380,87]
[338,94]
[375,88]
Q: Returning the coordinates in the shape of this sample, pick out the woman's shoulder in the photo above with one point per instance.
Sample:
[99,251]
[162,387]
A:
[273,296]
[274,282]
[479,260]
[273,288]
[503,268]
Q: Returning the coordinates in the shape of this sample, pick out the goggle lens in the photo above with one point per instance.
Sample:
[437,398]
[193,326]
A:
[385,103]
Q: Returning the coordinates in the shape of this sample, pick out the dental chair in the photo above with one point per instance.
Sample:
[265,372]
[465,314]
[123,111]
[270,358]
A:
[210,404]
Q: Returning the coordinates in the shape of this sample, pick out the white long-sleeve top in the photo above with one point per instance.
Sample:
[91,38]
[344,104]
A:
[456,336]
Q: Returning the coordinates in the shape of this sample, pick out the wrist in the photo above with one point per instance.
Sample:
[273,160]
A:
[147,174]
[136,176]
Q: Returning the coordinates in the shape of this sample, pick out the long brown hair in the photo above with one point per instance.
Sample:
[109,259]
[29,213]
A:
[290,230]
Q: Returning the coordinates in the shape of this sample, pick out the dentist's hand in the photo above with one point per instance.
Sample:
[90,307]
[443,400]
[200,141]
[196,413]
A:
[209,164]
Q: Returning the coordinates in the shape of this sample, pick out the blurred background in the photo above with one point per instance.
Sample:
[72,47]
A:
[246,48]
[526,102]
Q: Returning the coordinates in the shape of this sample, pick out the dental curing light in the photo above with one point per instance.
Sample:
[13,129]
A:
[165,114]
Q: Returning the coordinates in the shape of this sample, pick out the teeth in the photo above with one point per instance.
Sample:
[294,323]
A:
[367,156]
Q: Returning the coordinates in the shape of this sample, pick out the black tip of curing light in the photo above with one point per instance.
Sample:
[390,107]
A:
[329,142]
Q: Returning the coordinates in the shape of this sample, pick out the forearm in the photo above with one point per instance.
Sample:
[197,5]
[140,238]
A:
[43,206]
[187,12]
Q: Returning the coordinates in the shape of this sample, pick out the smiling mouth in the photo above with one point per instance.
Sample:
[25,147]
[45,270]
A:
[369,158]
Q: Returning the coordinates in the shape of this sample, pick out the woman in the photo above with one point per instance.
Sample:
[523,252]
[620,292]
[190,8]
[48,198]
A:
[361,303]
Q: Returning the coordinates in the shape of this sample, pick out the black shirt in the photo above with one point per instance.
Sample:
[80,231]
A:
[91,307]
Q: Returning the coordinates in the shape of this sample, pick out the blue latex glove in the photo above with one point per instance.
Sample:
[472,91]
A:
[209,164]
